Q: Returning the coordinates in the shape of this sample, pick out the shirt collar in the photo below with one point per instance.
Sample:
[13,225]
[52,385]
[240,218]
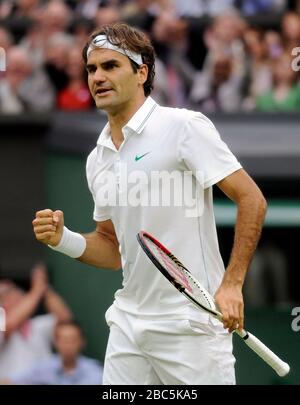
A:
[136,123]
[105,138]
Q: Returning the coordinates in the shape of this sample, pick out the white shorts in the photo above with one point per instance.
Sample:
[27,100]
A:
[166,352]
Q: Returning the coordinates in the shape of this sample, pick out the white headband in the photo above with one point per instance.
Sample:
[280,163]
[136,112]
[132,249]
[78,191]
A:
[101,41]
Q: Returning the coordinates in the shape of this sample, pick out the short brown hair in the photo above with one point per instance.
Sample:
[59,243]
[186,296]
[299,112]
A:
[127,37]
[72,323]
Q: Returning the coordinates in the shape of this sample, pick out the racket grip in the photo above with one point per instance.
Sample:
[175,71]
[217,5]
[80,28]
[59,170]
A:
[265,353]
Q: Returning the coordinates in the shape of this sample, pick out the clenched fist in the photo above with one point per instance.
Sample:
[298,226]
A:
[48,226]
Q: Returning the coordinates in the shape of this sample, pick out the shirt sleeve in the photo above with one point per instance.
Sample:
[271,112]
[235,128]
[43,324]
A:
[100,213]
[204,153]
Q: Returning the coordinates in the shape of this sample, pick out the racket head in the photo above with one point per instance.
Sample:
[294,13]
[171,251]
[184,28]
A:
[176,273]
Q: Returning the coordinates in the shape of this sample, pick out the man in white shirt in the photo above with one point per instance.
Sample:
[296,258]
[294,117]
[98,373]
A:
[156,336]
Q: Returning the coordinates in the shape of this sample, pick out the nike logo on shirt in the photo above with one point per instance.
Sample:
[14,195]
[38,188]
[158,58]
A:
[140,157]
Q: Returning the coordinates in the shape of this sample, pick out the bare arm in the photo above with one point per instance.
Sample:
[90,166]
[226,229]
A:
[251,205]
[102,247]
[22,311]
[26,306]
[57,306]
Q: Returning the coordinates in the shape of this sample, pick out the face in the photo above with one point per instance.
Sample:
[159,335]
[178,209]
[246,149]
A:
[112,82]
[68,341]
[227,28]
[10,296]
[18,66]
[291,26]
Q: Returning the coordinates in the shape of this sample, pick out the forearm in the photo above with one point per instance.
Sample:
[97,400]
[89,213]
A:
[102,250]
[17,315]
[250,218]
[56,306]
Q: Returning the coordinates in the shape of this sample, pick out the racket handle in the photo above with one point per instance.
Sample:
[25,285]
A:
[265,353]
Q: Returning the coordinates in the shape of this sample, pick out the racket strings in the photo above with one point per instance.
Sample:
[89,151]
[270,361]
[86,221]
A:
[198,291]
[172,267]
[181,276]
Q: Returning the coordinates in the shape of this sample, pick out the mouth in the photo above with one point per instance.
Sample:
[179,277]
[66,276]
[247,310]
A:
[102,92]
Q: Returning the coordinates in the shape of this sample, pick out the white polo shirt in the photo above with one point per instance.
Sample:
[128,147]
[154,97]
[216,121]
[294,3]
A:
[159,141]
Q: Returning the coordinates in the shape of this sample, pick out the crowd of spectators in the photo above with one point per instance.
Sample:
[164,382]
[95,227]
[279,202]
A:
[228,55]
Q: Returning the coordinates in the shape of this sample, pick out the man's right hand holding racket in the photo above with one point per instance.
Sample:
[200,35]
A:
[229,300]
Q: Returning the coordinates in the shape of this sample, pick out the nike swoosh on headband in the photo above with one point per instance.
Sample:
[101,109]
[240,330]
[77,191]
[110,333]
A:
[101,41]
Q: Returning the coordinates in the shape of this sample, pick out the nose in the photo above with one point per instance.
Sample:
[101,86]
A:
[99,76]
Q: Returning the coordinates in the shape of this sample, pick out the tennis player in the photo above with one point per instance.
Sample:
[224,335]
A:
[156,335]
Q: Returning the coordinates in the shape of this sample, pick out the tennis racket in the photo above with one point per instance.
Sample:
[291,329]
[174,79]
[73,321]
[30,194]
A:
[186,283]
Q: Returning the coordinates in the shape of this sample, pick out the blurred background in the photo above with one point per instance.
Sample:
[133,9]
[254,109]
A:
[237,61]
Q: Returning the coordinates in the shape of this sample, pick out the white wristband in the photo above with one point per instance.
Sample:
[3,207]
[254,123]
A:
[71,244]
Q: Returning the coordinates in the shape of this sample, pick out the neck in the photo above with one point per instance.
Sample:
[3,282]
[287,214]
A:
[119,117]
[69,364]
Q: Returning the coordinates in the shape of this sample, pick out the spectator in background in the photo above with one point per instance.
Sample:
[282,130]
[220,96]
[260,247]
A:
[285,94]
[27,337]
[57,48]
[290,28]
[55,18]
[274,44]
[87,8]
[5,8]
[76,95]
[258,67]
[34,43]
[170,35]
[67,367]
[217,89]
[107,14]
[226,34]
[142,13]
[199,8]
[26,8]
[218,86]
[162,92]
[80,29]
[23,88]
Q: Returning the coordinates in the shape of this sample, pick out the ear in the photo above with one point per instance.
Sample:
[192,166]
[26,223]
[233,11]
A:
[143,73]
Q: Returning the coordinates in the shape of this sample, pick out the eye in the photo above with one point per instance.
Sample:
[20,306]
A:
[91,69]
[110,65]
